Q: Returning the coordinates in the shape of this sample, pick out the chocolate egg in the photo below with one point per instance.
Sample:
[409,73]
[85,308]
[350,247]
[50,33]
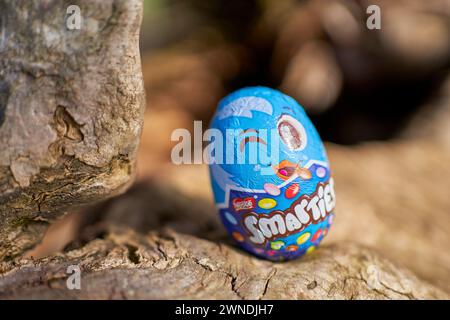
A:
[270,174]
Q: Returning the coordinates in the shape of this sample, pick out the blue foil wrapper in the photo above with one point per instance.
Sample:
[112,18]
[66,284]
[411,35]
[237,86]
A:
[270,174]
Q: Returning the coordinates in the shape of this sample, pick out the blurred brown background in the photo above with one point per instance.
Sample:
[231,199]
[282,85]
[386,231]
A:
[363,89]
[356,84]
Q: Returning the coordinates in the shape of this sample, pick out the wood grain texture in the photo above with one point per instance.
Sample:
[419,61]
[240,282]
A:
[71,104]
[162,239]
[162,265]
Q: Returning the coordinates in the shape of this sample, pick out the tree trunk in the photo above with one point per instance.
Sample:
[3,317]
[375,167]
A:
[71,110]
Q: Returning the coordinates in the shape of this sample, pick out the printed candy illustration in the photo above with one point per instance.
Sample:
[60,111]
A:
[271,176]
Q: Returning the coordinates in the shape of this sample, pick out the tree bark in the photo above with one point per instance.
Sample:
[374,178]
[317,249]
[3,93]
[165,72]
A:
[161,265]
[162,239]
[71,110]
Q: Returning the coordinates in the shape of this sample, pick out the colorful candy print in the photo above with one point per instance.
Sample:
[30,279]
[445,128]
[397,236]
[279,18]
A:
[281,206]
[321,172]
[304,173]
[292,248]
[276,245]
[331,219]
[316,235]
[292,191]
[267,203]
[237,236]
[303,238]
[230,218]
[310,249]
[272,189]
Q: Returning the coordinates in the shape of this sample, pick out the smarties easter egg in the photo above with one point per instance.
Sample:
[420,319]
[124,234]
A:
[270,174]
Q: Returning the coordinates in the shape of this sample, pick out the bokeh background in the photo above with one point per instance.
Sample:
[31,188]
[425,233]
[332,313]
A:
[356,84]
[366,91]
